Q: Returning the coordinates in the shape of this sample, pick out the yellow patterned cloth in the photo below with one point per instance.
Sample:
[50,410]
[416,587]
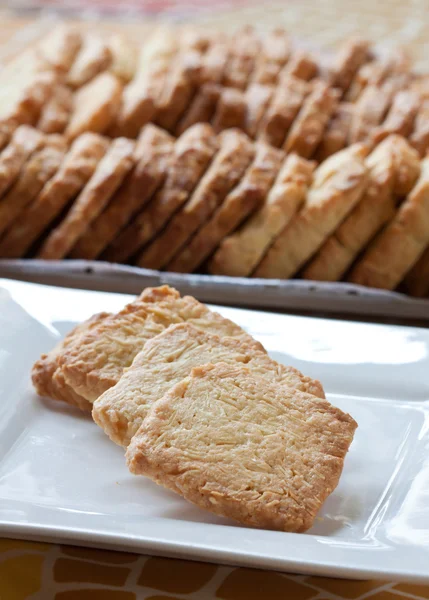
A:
[35,571]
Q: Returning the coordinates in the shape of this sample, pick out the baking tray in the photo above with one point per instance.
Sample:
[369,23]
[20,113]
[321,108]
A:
[298,296]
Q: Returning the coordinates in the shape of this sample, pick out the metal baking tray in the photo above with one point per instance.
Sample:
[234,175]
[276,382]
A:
[297,296]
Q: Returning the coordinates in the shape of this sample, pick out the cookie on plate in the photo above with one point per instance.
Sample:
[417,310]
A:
[244,447]
[167,359]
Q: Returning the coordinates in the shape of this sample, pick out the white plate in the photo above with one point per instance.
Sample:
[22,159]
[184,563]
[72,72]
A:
[61,479]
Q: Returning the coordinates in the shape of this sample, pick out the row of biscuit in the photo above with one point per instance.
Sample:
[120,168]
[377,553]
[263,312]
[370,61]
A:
[221,203]
[203,410]
[72,82]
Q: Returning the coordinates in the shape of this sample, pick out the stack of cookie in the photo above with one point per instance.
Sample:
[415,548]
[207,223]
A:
[203,410]
[237,156]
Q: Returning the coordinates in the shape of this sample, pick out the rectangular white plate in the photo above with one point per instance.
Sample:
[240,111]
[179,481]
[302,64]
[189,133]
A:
[61,479]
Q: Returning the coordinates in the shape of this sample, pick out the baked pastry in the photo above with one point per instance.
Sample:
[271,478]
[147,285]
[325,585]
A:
[94,361]
[108,176]
[228,166]
[167,359]
[152,151]
[57,112]
[246,197]
[399,246]
[24,141]
[244,447]
[337,187]
[336,132]
[73,174]
[240,253]
[94,57]
[35,173]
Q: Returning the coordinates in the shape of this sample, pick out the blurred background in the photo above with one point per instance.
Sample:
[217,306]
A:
[323,23]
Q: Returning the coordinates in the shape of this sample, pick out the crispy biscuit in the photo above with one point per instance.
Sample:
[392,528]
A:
[57,112]
[351,56]
[226,170]
[244,50]
[243,447]
[7,129]
[124,57]
[46,374]
[94,58]
[337,131]
[230,110]
[108,176]
[308,128]
[213,62]
[170,357]
[153,149]
[275,52]
[35,173]
[24,141]
[301,65]
[400,118]
[248,195]
[95,105]
[201,108]
[96,360]
[376,207]
[61,47]
[78,166]
[288,98]
[192,154]
[240,253]
[399,246]
[258,99]
[338,185]
[370,110]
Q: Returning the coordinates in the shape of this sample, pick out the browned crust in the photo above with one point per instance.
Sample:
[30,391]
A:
[239,254]
[36,172]
[305,444]
[108,176]
[419,138]
[286,103]
[400,118]
[244,50]
[337,131]
[60,48]
[95,105]
[369,112]
[77,168]
[57,112]
[301,65]
[226,170]
[248,195]
[152,153]
[275,52]
[24,141]
[258,99]
[230,110]
[93,58]
[201,108]
[338,185]
[354,53]
[399,246]
[309,126]
[95,361]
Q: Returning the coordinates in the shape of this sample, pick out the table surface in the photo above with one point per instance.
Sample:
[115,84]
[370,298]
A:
[36,571]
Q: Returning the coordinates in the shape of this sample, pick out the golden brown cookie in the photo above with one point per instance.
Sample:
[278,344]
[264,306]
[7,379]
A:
[246,197]
[95,361]
[338,185]
[336,133]
[95,105]
[73,174]
[400,118]
[309,126]
[227,168]
[370,110]
[286,103]
[240,253]
[258,99]
[108,176]
[24,141]
[192,154]
[170,357]
[93,58]
[351,56]
[124,57]
[399,246]
[275,52]
[57,112]
[153,151]
[35,173]
[230,110]
[201,108]
[248,448]
[60,47]
[244,50]
[301,65]
[46,375]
